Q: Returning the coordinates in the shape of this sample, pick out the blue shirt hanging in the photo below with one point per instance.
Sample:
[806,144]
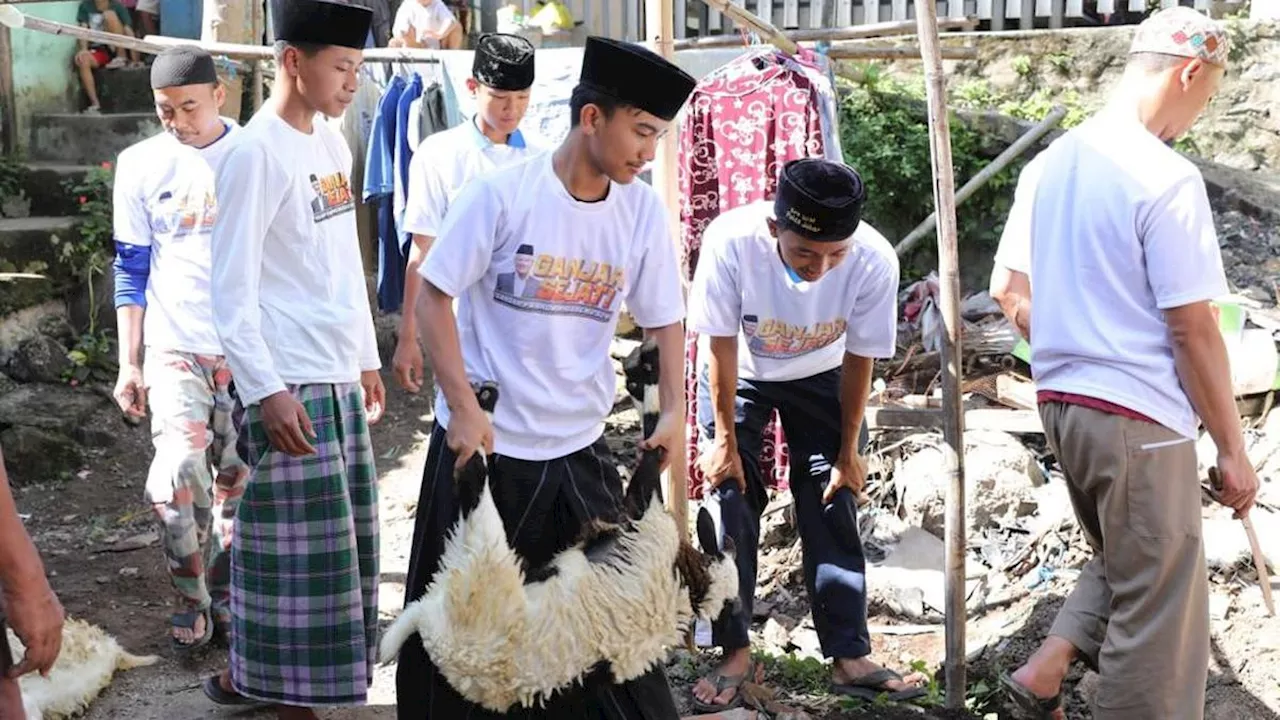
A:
[379,189]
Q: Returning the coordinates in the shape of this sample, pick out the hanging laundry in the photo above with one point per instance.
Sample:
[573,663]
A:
[403,150]
[743,122]
[380,183]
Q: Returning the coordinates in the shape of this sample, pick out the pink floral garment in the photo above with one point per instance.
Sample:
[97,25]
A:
[744,122]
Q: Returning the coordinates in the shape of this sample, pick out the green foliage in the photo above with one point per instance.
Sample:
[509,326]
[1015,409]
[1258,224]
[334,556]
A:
[89,253]
[13,177]
[92,359]
[885,134]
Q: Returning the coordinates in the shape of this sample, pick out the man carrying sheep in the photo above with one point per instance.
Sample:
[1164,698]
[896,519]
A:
[794,300]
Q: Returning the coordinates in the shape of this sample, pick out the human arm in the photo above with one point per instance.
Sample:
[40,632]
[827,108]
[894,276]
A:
[458,259]
[1010,283]
[871,332]
[425,205]
[31,607]
[254,184]
[715,310]
[131,270]
[1184,270]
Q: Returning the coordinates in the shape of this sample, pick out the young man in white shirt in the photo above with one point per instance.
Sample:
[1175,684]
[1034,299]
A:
[165,208]
[426,24]
[793,301]
[1126,353]
[292,311]
[501,75]
[596,239]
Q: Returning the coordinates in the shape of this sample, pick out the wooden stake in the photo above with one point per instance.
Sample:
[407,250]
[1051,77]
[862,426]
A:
[949,285]
[660,28]
[1020,146]
[259,26]
[8,98]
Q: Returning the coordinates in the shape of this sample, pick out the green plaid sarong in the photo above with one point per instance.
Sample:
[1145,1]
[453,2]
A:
[304,559]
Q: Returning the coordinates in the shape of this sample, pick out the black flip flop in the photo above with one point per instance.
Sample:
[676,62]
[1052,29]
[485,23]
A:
[871,687]
[213,690]
[188,620]
[1028,704]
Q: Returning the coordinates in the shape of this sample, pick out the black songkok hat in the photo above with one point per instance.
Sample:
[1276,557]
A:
[182,65]
[322,22]
[635,76]
[820,199]
[503,62]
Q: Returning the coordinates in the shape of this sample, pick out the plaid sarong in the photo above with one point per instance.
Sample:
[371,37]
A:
[304,559]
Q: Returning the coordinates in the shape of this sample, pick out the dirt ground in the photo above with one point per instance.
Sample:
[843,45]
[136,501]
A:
[85,528]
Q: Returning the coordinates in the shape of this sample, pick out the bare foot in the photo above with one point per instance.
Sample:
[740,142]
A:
[189,635]
[846,670]
[732,671]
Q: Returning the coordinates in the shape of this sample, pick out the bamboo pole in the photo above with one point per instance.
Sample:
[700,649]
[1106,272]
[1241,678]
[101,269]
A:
[761,27]
[12,17]
[660,29]
[1020,146]
[949,286]
[853,32]
[859,51]
[260,52]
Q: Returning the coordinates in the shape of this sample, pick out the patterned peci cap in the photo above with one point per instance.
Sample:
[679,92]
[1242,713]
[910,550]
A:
[1183,32]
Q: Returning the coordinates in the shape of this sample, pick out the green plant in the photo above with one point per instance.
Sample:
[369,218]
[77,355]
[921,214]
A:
[1022,66]
[13,177]
[89,252]
[1061,61]
[92,359]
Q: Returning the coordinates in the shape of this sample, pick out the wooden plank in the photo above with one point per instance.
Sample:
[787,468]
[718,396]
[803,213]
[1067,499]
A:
[9,116]
[900,11]
[1015,392]
[790,14]
[1027,14]
[1057,11]
[1075,8]
[844,11]
[1018,422]
[1106,7]
[817,10]
[764,10]
[999,11]
[631,30]
[983,10]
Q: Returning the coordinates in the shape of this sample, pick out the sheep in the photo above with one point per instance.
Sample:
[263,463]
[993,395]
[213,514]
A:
[621,595]
[88,660]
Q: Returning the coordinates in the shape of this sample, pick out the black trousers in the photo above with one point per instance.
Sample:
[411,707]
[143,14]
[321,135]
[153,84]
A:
[543,506]
[834,565]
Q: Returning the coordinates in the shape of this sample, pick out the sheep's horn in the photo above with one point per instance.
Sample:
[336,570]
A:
[646,483]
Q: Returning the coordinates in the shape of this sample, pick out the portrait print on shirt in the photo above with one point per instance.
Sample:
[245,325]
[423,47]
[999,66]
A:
[190,213]
[553,285]
[780,340]
[333,196]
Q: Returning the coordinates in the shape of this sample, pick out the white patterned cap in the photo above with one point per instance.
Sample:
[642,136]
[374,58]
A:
[1183,32]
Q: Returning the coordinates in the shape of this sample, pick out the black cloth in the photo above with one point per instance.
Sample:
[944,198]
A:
[182,65]
[544,506]
[431,111]
[503,62]
[322,22]
[820,199]
[635,76]
[831,551]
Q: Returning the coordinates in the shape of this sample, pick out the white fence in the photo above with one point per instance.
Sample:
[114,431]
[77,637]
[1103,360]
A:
[625,18]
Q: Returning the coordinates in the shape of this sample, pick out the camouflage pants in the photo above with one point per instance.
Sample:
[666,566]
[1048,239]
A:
[196,478]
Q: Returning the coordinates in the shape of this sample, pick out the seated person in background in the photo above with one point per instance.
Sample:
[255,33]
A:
[146,16]
[103,16]
[426,24]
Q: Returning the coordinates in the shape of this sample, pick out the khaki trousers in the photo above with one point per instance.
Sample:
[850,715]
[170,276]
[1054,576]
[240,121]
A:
[1140,612]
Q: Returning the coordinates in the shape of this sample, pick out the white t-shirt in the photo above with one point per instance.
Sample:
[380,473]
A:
[789,328]
[435,18]
[290,300]
[446,161]
[541,327]
[1112,227]
[164,198]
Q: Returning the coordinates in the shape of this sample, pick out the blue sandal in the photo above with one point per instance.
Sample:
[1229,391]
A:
[187,620]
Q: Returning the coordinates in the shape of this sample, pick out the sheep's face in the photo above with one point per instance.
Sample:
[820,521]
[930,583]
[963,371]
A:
[722,590]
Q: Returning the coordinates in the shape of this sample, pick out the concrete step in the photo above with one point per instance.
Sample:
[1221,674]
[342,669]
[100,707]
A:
[79,139]
[125,90]
[46,187]
[24,241]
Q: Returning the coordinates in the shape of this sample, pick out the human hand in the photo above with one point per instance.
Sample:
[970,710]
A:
[375,395]
[287,424]
[668,434]
[470,431]
[131,392]
[36,616]
[723,463]
[850,472]
[1235,482]
[407,363]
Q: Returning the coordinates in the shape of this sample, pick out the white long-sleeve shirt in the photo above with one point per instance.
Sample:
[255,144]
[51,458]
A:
[289,294]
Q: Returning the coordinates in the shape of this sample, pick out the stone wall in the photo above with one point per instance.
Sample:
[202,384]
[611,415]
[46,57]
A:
[1241,128]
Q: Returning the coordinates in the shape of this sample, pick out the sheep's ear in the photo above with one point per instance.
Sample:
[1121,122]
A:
[646,482]
[469,483]
[730,549]
[708,535]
